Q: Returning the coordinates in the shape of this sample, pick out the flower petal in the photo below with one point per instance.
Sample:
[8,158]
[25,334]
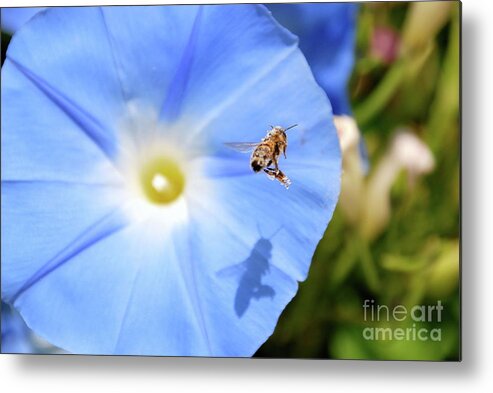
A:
[81,68]
[133,285]
[15,334]
[216,78]
[15,18]
[39,220]
[45,141]
[245,116]
[148,67]
[327,34]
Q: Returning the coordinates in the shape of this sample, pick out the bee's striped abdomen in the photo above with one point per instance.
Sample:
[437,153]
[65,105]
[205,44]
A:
[261,157]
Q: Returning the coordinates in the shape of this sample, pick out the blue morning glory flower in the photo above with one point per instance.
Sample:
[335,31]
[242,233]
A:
[327,39]
[128,227]
[13,18]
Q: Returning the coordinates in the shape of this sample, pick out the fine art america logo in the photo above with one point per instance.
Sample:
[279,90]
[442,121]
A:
[414,319]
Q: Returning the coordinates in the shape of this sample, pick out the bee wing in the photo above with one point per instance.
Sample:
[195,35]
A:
[242,147]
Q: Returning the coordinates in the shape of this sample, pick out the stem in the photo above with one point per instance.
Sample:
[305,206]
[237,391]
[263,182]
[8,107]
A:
[368,266]
[382,94]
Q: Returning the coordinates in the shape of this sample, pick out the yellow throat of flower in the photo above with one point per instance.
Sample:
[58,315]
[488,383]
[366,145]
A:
[162,180]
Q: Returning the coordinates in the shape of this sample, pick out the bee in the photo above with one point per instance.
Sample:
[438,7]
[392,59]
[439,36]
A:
[266,153]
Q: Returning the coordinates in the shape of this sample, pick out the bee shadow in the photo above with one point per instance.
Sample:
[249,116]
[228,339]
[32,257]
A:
[251,270]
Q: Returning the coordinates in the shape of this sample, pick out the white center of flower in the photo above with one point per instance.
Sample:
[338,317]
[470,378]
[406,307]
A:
[159,182]
[160,166]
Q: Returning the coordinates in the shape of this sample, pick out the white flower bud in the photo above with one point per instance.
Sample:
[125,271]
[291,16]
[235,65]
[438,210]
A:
[352,184]
[407,152]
